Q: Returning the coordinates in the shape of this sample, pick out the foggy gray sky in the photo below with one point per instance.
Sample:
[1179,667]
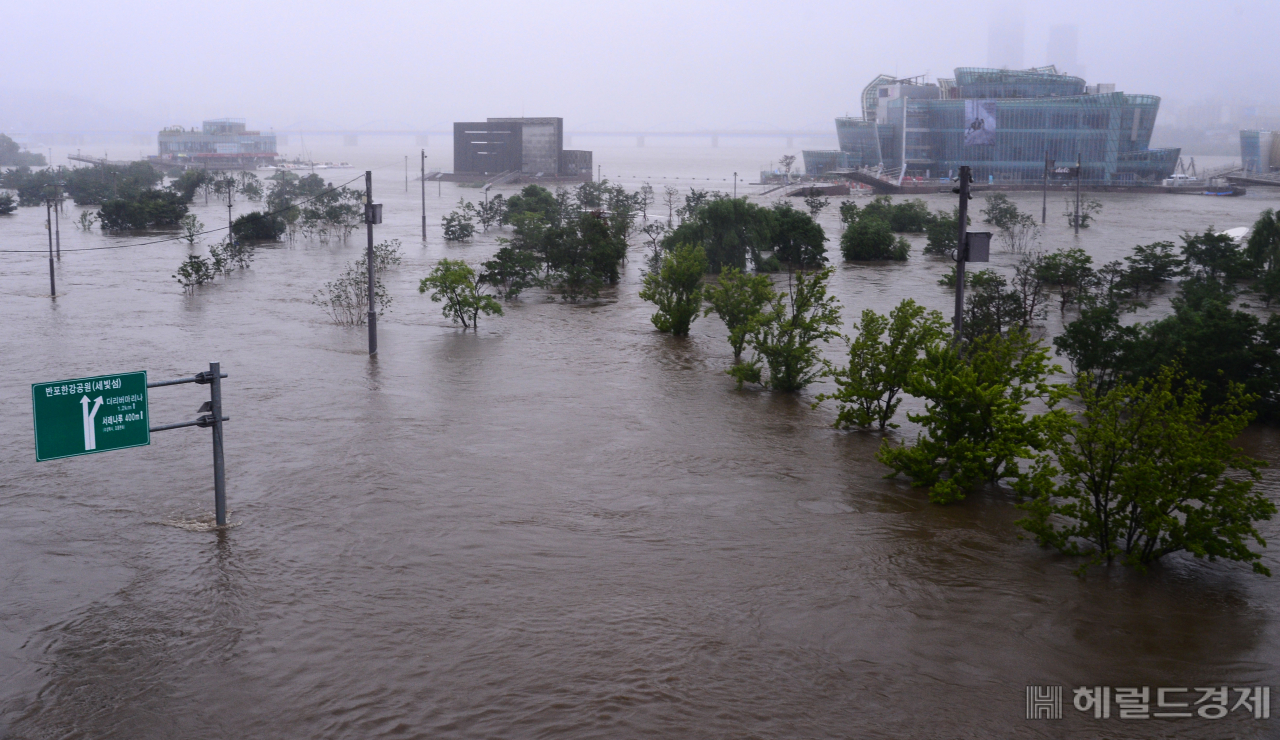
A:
[638,65]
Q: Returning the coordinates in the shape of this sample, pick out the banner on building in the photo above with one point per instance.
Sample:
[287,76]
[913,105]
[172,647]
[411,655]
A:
[980,122]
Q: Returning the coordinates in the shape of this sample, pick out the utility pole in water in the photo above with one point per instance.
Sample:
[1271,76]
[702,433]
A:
[1079,174]
[406,173]
[973,246]
[372,215]
[735,184]
[230,183]
[1044,203]
[966,177]
[53,287]
[57,228]
[424,196]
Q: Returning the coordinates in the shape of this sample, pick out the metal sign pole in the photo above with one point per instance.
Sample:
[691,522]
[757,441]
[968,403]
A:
[85,416]
[210,416]
[219,469]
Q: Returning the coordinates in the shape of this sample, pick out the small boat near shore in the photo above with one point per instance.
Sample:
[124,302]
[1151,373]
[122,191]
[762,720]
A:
[1220,186]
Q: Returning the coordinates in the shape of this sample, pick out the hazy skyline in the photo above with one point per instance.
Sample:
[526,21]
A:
[659,65]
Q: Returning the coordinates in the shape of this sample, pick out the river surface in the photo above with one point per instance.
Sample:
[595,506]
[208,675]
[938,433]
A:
[564,525]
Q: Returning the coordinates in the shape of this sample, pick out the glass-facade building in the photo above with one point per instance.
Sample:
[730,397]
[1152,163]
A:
[1019,117]
[222,143]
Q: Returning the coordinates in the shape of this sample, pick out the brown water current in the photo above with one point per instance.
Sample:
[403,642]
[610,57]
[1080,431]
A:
[563,525]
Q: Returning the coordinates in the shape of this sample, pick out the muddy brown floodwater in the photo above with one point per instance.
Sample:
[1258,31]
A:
[565,525]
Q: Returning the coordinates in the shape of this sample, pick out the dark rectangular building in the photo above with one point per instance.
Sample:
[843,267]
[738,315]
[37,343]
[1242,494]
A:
[530,146]
[487,148]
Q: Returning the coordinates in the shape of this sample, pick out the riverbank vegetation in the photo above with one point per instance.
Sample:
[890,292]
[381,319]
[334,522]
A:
[676,288]
[85,186]
[454,283]
[1149,412]
[571,243]
[314,208]
[224,258]
[346,298]
[1123,453]
[784,336]
[13,155]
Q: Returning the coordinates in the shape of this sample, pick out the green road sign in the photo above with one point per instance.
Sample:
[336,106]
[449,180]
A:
[88,415]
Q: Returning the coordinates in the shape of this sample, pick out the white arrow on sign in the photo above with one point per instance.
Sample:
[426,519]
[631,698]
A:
[90,440]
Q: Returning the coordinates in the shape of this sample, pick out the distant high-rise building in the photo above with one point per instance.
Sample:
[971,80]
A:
[1005,40]
[1063,51]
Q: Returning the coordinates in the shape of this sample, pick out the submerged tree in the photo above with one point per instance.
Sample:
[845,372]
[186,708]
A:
[653,234]
[787,161]
[644,199]
[1071,272]
[1019,234]
[258,226]
[729,229]
[193,272]
[1149,470]
[532,201]
[882,356]
[816,204]
[454,283]
[1089,208]
[784,338]
[870,240]
[669,199]
[990,306]
[191,227]
[1216,256]
[798,241]
[143,210]
[942,233]
[976,425]
[676,288]
[904,217]
[491,211]
[458,226]
[1000,212]
[738,298]
[511,271]
[346,299]
[1153,264]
